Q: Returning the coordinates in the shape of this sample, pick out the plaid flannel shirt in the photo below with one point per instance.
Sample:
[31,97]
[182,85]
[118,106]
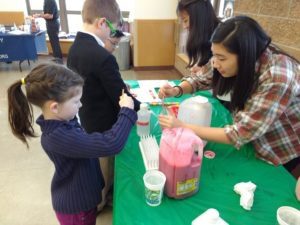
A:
[271,116]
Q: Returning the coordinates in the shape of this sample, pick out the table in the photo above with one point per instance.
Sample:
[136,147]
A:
[275,186]
[20,47]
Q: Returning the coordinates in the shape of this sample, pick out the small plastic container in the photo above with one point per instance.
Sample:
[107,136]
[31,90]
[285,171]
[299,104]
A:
[209,217]
[287,215]
[143,121]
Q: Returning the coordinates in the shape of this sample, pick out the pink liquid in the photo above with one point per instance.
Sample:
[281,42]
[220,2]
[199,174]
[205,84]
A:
[182,170]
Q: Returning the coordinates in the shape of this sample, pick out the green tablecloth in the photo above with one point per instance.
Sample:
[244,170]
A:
[275,186]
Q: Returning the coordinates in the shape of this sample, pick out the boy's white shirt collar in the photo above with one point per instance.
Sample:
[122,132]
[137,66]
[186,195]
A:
[100,42]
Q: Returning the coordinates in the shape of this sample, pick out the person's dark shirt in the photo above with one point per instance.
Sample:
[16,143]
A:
[50,7]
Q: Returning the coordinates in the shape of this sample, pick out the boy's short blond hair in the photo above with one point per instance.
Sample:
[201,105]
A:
[93,9]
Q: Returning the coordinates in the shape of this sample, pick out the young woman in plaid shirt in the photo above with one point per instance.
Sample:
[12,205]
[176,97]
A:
[263,83]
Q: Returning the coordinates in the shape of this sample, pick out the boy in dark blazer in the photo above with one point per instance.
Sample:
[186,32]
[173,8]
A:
[88,57]
[102,80]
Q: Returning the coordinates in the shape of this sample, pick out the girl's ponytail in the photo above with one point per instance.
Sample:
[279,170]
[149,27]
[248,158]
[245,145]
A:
[45,82]
[20,113]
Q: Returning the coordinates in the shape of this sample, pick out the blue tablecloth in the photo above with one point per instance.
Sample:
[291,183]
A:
[22,46]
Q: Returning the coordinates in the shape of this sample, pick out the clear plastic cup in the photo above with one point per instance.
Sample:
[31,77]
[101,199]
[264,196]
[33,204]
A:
[154,181]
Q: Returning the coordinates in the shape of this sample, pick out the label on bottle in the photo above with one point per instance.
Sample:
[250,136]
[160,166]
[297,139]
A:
[187,186]
[142,123]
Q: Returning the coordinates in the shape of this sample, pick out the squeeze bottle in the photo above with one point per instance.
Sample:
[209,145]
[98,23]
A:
[143,121]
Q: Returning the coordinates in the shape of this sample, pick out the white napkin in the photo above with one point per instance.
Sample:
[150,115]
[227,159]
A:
[246,190]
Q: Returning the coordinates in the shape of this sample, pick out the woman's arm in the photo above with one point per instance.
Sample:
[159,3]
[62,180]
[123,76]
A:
[214,134]
[189,84]
[168,91]
[206,133]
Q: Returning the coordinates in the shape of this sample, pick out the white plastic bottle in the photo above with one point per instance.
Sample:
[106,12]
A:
[143,121]
[196,110]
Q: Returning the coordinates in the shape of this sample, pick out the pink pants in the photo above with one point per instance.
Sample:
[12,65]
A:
[82,218]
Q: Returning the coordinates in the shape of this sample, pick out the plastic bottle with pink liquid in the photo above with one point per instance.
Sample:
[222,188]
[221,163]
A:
[180,159]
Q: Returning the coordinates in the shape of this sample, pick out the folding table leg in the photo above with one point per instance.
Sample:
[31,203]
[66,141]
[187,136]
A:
[20,67]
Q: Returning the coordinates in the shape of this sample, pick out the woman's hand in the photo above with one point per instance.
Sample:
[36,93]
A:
[167,91]
[126,101]
[169,121]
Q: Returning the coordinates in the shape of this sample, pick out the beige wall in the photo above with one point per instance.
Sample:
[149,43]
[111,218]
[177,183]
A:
[12,17]
[280,19]
[153,32]
[154,9]
[154,44]
[140,9]
[13,5]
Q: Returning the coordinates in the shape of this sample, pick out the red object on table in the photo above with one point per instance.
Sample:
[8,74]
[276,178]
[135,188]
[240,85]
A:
[173,109]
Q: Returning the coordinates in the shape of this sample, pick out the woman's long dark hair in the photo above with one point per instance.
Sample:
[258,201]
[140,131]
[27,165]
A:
[244,37]
[45,82]
[203,21]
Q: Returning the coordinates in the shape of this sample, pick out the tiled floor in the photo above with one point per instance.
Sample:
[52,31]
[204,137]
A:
[25,174]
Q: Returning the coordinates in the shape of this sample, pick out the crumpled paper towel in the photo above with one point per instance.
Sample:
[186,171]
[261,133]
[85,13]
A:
[246,190]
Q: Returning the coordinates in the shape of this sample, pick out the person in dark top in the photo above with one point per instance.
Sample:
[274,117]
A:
[89,58]
[107,163]
[77,180]
[198,17]
[51,16]
[103,83]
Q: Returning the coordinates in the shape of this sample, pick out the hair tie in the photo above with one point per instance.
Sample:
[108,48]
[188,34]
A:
[23,80]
